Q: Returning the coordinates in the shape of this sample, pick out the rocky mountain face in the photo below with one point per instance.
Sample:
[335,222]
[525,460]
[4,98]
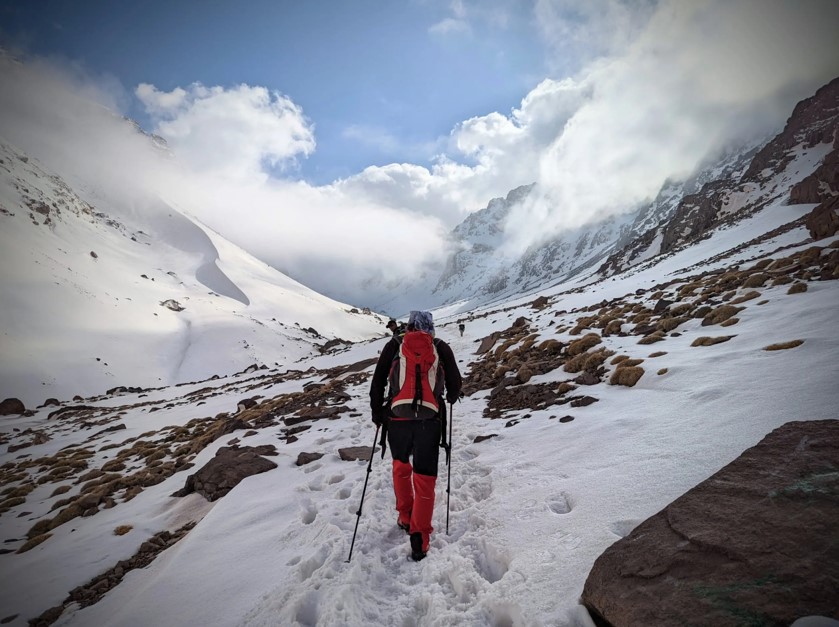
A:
[799,165]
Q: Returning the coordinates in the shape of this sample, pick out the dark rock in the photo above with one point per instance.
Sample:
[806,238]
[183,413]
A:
[245,403]
[487,343]
[662,305]
[521,321]
[644,329]
[823,220]
[566,419]
[753,544]
[11,406]
[540,303]
[224,471]
[306,458]
[587,378]
[702,311]
[120,389]
[332,344]
[482,438]
[354,453]
[51,402]
[583,401]
[94,255]
[512,423]
[171,304]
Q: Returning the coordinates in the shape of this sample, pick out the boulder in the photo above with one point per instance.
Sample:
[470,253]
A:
[753,544]
[307,458]
[11,406]
[224,471]
[487,343]
[823,221]
[354,453]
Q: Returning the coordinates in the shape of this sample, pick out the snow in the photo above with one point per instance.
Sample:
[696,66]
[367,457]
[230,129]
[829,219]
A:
[531,509]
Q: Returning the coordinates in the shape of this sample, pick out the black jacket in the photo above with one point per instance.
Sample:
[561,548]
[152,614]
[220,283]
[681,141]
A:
[380,376]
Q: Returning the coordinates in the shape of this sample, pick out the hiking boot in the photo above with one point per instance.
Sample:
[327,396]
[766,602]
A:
[406,527]
[416,547]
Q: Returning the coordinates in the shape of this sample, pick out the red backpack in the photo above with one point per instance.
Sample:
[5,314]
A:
[416,378]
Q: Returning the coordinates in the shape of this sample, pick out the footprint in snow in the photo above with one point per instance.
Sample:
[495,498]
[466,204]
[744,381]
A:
[560,503]
[310,512]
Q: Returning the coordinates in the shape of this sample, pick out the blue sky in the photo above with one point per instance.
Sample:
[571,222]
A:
[317,135]
[381,81]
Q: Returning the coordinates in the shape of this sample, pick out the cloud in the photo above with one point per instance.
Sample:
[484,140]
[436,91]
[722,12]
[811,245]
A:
[449,26]
[233,131]
[323,236]
[698,75]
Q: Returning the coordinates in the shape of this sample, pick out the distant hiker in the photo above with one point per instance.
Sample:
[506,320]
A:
[415,367]
[461,327]
[397,328]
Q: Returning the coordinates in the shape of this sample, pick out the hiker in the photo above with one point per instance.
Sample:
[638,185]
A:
[413,416]
[461,327]
[398,329]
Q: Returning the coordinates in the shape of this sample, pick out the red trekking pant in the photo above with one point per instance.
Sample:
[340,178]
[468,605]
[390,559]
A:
[414,485]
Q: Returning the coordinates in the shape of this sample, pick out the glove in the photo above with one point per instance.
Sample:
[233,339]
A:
[379,418]
[452,397]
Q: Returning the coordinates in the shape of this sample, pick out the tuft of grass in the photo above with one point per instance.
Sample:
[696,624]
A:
[710,341]
[33,542]
[662,371]
[658,354]
[583,344]
[747,296]
[122,530]
[619,359]
[763,302]
[730,322]
[658,336]
[627,376]
[798,287]
[629,363]
[784,345]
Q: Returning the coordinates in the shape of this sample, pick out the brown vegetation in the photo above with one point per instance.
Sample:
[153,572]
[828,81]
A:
[784,345]
[710,341]
[627,376]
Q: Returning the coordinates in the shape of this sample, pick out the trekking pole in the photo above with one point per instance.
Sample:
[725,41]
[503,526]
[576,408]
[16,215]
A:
[366,479]
[449,464]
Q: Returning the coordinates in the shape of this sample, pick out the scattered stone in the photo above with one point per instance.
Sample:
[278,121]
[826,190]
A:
[481,438]
[662,371]
[12,406]
[355,453]
[307,458]
[245,403]
[799,287]
[583,401]
[540,303]
[487,343]
[662,305]
[566,419]
[94,255]
[784,345]
[587,378]
[171,304]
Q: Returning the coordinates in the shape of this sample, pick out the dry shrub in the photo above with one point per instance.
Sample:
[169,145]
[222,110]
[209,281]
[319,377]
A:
[762,264]
[122,530]
[756,280]
[33,542]
[630,363]
[551,347]
[619,359]
[689,289]
[115,465]
[710,341]
[658,354]
[780,263]
[565,387]
[583,344]
[745,297]
[784,345]
[681,309]
[662,371]
[729,280]
[158,454]
[721,314]
[730,322]
[12,502]
[782,280]
[594,360]
[575,364]
[641,318]
[60,490]
[668,324]
[524,374]
[658,336]
[626,376]
[613,327]
[810,256]
[797,288]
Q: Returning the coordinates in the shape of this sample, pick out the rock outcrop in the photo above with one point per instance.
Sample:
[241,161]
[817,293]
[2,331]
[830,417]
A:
[224,471]
[754,544]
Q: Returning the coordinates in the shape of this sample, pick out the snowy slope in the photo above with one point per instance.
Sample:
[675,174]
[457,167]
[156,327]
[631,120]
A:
[531,508]
[86,283]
